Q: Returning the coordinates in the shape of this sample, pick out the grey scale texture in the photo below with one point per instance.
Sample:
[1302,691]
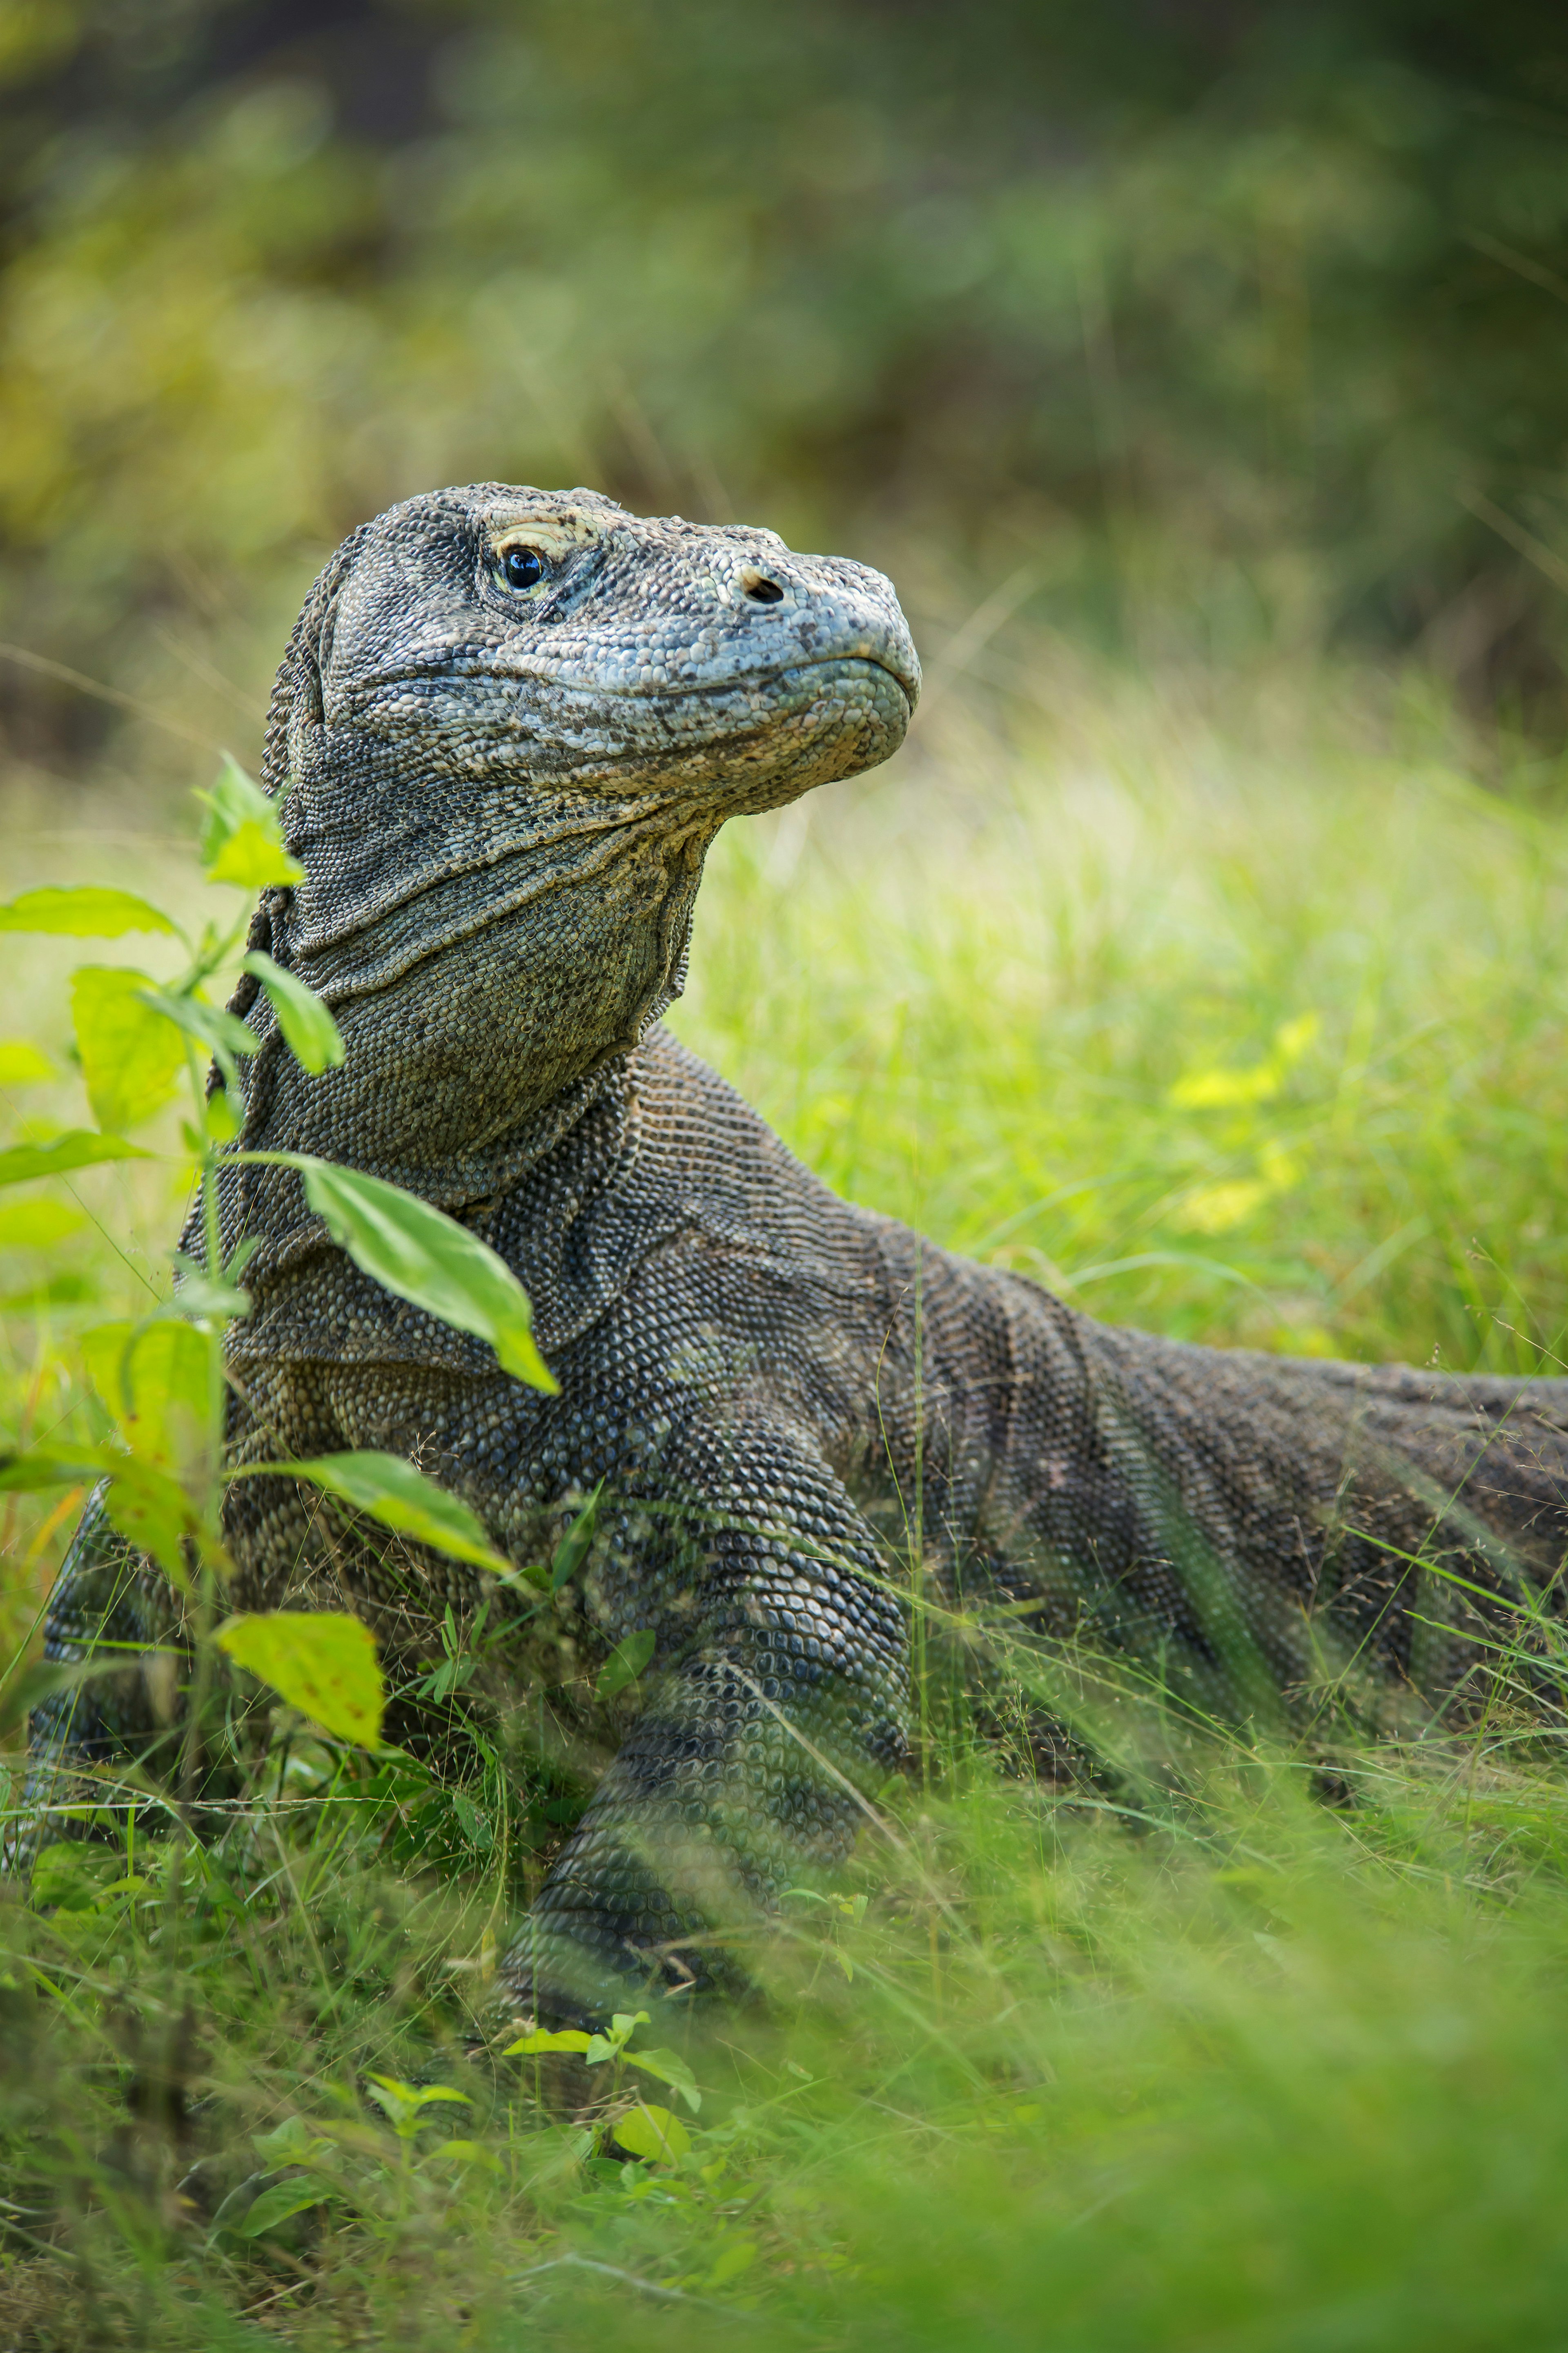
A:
[502,797]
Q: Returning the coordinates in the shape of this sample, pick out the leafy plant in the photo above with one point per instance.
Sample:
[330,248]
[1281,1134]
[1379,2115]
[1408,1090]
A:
[162,1379]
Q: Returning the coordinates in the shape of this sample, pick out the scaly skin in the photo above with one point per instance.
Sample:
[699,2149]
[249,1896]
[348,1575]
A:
[502,797]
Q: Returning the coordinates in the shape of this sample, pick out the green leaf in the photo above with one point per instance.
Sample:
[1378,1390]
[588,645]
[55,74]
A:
[403,2104]
[276,2205]
[321,1661]
[392,1490]
[311,1033]
[252,858]
[220,1119]
[623,2026]
[153,1512]
[132,1057]
[242,835]
[79,1147]
[569,2038]
[162,1379]
[420,1254]
[224,1035]
[83,914]
[670,2068]
[200,1297]
[573,1549]
[625,1662]
[652,2133]
[22,1065]
[293,2142]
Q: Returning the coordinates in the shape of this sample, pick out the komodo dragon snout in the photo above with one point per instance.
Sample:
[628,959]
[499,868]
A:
[507,727]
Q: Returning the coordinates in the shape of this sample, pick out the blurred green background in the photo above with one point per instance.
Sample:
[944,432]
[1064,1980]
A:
[1192,326]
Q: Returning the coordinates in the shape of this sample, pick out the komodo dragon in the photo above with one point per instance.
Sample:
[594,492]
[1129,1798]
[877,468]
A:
[512,723]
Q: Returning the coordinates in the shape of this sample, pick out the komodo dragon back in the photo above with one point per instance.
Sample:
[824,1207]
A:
[510,724]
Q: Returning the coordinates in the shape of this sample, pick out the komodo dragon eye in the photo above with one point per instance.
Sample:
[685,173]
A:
[523,567]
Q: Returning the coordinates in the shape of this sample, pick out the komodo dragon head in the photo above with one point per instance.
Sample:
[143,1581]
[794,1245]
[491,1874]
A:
[510,723]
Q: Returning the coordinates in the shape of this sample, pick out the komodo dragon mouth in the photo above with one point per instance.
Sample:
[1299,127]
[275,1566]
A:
[509,724]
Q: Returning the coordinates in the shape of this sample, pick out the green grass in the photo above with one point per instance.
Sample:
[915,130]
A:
[1207,2064]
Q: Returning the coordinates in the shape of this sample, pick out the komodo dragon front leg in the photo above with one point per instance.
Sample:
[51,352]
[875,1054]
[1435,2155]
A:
[778,1704]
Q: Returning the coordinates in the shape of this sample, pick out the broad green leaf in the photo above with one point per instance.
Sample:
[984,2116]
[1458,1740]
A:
[22,1065]
[569,2038]
[388,1489]
[161,1380]
[276,2205]
[132,1057]
[625,1662]
[224,1035]
[573,1549]
[242,836]
[83,914]
[652,2133]
[311,1033]
[321,1661]
[422,1255]
[79,1147]
[38,1224]
[671,2069]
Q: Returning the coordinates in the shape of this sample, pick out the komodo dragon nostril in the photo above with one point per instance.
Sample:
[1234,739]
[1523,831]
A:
[759,587]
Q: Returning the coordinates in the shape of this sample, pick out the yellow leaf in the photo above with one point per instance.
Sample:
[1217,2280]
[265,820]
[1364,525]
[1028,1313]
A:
[1211,1090]
[321,1661]
[1216,1209]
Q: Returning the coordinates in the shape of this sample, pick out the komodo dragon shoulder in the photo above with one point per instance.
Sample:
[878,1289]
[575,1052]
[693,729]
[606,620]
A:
[511,723]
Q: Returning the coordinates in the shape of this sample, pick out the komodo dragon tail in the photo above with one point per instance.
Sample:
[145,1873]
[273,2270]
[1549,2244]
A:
[1311,1528]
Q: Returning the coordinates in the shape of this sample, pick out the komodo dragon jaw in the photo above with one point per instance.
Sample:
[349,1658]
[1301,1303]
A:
[501,791]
